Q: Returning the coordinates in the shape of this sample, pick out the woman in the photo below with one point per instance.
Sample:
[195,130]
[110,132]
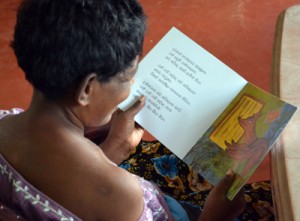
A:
[81,57]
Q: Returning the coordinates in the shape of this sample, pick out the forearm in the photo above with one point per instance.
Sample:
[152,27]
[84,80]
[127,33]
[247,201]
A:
[116,152]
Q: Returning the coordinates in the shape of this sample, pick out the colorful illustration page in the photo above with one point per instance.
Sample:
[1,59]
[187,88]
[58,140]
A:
[186,88]
[241,137]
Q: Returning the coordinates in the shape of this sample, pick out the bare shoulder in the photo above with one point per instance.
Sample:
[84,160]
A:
[114,194]
[75,173]
[9,132]
[127,196]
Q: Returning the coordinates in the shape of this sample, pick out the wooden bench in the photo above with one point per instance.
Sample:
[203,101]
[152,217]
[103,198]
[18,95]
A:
[285,156]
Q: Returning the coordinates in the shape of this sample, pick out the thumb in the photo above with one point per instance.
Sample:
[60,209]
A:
[115,115]
[226,182]
[136,107]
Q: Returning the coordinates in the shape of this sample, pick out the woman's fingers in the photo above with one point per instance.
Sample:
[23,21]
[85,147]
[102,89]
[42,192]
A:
[136,107]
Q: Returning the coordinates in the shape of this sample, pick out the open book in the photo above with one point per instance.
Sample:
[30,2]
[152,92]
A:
[204,112]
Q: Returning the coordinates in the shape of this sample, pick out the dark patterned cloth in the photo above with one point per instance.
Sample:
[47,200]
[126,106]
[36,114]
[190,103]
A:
[156,163]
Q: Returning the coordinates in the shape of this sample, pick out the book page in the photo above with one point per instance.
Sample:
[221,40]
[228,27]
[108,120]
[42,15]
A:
[186,89]
[241,137]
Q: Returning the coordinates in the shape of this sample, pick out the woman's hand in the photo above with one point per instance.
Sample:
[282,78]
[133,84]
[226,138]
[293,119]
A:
[125,134]
[217,207]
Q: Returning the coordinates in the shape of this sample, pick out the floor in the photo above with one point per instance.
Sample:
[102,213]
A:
[238,32]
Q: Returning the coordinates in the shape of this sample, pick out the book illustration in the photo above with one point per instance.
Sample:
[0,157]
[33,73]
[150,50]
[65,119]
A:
[233,126]
[240,138]
[250,149]
[236,134]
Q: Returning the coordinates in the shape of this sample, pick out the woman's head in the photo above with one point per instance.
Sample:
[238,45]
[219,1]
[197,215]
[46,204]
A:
[59,42]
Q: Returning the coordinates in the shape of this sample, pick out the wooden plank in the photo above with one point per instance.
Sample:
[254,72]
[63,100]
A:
[285,156]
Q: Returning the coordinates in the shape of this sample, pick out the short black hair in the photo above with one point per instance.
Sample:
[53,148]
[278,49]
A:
[58,42]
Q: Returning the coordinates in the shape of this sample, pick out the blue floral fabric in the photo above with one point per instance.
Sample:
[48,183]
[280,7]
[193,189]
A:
[166,165]
[156,163]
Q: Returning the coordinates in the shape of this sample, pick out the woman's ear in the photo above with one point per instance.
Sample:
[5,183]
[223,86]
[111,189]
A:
[85,89]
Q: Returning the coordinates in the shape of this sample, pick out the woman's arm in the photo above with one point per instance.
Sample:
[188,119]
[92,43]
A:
[124,134]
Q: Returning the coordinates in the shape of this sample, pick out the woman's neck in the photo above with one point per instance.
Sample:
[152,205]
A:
[55,112]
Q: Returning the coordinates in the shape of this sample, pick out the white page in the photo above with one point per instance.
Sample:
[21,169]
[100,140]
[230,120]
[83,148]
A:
[195,97]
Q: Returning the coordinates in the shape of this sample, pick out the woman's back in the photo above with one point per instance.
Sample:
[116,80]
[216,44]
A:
[69,169]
